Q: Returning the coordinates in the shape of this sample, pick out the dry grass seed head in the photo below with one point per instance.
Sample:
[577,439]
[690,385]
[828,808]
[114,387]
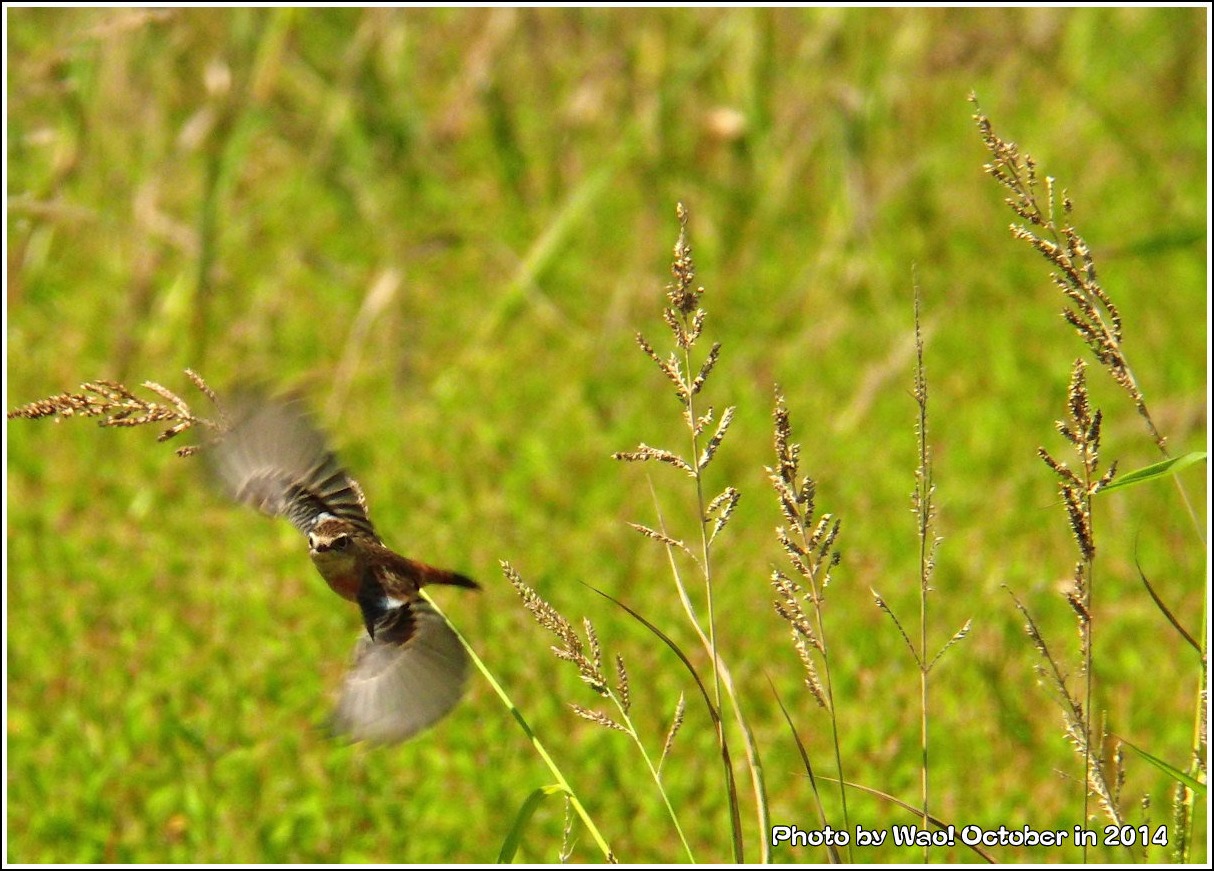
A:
[676,723]
[1082,430]
[683,295]
[644,452]
[623,691]
[596,717]
[721,509]
[571,649]
[710,449]
[117,406]
[1090,311]
[789,606]
[706,368]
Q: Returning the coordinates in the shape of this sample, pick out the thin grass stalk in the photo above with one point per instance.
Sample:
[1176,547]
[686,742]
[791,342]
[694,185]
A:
[685,308]
[935,821]
[923,511]
[812,555]
[1086,630]
[685,319]
[1082,430]
[625,724]
[923,505]
[754,762]
[834,735]
[1188,797]
[923,740]
[555,769]
[832,848]
[706,566]
[620,697]
[1074,716]
[587,656]
[656,774]
[714,713]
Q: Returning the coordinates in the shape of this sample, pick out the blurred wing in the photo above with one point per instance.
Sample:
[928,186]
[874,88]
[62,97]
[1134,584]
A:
[274,459]
[396,689]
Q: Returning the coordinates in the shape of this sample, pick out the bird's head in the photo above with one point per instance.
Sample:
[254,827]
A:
[334,543]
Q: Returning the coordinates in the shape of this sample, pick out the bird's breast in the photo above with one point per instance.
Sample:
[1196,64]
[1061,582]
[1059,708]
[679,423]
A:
[340,571]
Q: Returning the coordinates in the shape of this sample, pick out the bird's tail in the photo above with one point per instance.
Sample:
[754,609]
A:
[431,575]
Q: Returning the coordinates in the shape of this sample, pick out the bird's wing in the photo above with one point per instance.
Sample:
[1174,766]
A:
[396,688]
[273,458]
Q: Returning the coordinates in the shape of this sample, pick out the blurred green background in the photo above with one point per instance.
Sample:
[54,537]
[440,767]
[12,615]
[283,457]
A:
[446,226]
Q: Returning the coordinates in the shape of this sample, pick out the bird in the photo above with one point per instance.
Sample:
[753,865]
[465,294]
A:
[409,667]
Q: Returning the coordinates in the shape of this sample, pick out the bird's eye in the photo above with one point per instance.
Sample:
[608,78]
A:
[341,542]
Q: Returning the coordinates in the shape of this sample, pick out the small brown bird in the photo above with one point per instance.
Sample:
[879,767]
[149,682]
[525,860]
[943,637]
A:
[409,668]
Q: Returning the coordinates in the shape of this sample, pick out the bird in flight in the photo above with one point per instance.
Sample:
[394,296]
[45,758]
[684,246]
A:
[409,667]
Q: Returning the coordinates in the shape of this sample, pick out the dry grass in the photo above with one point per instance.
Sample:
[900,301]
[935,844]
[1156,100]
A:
[117,405]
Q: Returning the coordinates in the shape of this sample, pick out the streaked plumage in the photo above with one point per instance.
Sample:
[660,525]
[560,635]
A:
[409,668]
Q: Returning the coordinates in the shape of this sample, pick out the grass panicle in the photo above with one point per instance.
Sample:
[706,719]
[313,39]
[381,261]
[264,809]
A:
[1045,215]
[676,723]
[562,782]
[923,507]
[1076,722]
[1090,310]
[1082,431]
[117,405]
[808,542]
[685,319]
[587,658]
[571,649]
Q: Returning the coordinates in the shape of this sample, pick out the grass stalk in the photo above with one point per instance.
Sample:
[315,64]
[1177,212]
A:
[1077,489]
[924,514]
[1096,319]
[575,802]
[810,548]
[924,509]
[685,319]
[753,759]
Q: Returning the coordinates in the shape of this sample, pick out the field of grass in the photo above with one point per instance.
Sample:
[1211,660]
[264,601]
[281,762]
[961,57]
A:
[446,227]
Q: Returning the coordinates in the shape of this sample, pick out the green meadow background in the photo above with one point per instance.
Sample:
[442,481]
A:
[446,227]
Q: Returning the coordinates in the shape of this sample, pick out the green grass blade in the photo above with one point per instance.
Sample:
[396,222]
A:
[835,858]
[735,818]
[1175,773]
[918,812]
[1165,610]
[515,836]
[578,807]
[1155,470]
